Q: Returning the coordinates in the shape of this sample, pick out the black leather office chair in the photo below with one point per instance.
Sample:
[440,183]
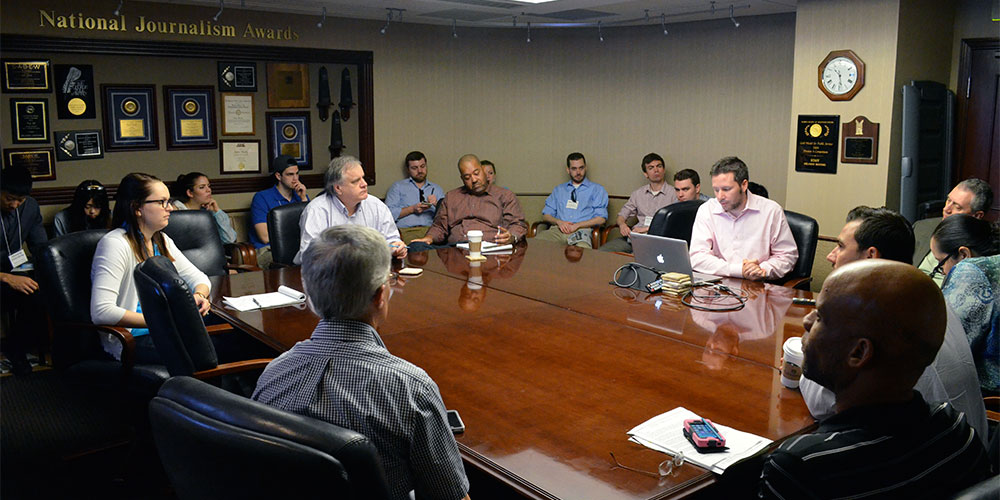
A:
[675,220]
[284,232]
[63,271]
[987,489]
[195,233]
[214,444]
[805,230]
[177,327]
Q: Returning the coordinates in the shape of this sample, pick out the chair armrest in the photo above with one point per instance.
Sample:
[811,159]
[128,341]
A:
[221,328]
[242,268]
[234,367]
[797,283]
[123,335]
[533,230]
[241,253]
[595,237]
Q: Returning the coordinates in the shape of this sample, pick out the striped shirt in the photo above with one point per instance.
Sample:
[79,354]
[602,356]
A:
[344,375]
[907,450]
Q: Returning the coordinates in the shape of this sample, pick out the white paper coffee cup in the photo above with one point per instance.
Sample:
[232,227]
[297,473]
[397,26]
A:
[475,242]
[791,369]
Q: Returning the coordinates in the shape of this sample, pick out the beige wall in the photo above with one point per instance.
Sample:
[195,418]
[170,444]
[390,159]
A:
[705,91]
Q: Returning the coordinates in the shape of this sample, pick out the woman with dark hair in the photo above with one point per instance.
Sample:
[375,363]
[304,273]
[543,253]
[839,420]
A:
[89,209]
[967,250]
[193,191]
[142,210]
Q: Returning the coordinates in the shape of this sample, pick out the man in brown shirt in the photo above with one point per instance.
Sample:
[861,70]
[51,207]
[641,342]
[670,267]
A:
[476,205]
[643,203]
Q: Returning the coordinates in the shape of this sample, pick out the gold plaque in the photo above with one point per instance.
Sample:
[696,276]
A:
[131,128]
[190,106]
[77,106]
[192,128]
[290,149]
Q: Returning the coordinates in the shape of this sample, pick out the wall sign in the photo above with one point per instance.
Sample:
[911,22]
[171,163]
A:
[860,141]
[816,143]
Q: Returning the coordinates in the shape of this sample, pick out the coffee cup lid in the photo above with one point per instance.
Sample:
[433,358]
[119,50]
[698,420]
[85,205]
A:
[475,232]
[793,344]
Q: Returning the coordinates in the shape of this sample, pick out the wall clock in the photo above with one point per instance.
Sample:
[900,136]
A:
[841,75]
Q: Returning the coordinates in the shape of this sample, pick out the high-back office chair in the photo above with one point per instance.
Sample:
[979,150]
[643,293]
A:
[284,232]
[177,327]
[805,230]
[63,271]
[214,444]
[675,220]
[195,233]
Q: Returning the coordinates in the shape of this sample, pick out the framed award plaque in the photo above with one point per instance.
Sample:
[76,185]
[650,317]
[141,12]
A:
[190,116]
[75,91]
[288,133]
[239,157]
[130,117]
[29,120]
[27,75]
[39,161]
[237,76]
[79,145]
[287,85]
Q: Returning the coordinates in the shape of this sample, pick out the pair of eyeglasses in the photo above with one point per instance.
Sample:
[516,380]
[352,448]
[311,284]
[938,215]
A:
[393,278]
[95,187]
[939,268]
[665,468]
[162,203]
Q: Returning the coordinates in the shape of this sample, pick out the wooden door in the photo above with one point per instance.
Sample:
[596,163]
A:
[978,140]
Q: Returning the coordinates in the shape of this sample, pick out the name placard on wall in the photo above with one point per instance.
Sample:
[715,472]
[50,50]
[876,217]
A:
[816,143]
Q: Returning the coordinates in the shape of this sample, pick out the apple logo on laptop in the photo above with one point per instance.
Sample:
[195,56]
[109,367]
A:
[659,258]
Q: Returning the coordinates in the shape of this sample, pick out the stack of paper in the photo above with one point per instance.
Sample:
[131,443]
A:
[283,297]
[665,432]
[491,248]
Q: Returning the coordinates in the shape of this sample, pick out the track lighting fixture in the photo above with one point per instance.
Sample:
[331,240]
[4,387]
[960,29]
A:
[118,10]
[217,14]
[529,31]
[733,19]
[663,23]
[600,36]
[454,31]
[323,20]
[388,17]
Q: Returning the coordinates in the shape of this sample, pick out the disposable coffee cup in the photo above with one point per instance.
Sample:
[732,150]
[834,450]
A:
[475,243]
[791,369]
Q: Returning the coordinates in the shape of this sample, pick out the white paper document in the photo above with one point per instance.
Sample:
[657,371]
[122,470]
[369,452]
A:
[285,296]
[665,433]
[490,248]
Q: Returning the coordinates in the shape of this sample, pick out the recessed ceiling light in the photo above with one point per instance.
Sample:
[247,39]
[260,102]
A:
[534,1]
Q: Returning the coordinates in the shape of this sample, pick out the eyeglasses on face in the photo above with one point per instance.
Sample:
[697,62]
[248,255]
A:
[939,268]
[162,202]
[665,468]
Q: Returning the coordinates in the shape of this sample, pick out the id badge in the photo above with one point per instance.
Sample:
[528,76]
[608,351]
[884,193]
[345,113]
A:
[17,259]
[572,204]
[646,221]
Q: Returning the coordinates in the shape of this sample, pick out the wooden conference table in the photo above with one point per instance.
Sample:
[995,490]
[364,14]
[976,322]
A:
[549,365]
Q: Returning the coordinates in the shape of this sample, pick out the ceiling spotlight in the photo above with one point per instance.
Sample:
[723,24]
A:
[647,15]
[388,17]
[663,23]
[515,21]
[118,11]
[529,31]
[733,19]
[454,31]
[600,36]
[217,14]
[321,21]
[713,7]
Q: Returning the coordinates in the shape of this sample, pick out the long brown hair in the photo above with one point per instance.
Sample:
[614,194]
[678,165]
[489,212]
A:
[132,192]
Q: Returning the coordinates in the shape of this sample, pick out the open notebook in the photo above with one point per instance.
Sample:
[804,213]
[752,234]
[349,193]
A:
[285,296]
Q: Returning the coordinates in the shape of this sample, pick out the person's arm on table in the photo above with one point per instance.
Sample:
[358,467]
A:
[195,278]
[784,251]
[439,228]
[513,219]
[703,242]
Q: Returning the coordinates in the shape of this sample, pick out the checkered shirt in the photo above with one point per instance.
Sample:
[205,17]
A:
[344,375]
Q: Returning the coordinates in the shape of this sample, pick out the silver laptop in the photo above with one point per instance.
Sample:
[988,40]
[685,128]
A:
[667,255]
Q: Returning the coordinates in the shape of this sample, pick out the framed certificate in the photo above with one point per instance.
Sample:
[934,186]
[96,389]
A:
[239,157]
[287,85]
[78,145]
[237,76]
[190,115]
[29,119]
[130,117]
[238,114]
[39,161]
[288,133]
[27,75]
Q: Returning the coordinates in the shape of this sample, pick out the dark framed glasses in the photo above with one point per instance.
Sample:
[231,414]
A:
[939,268]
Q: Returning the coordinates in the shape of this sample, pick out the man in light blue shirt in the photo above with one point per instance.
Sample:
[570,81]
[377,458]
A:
[575,207]
[346,201]
[413,201]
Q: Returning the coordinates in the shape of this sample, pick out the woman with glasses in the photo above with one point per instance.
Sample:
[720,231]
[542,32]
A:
[142,210]
[967,250]
[193,191]
[89,210]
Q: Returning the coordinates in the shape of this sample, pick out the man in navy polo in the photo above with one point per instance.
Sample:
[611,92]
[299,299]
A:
[287,189]
[574,207]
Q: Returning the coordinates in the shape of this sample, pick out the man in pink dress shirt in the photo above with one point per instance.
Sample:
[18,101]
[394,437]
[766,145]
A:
[740,234]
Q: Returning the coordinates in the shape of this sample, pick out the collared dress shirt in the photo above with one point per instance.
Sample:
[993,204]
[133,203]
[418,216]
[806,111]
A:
[344,375]
[462,212]
[404,193]
[643,203]
[950,378]
[896,450]
[720,242]
[591,199]
[263,202]
[327,211]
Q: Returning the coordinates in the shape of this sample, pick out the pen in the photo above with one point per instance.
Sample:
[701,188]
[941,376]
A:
[254,299]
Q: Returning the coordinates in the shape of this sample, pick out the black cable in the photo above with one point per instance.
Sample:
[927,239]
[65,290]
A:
[634,267]
[741,297]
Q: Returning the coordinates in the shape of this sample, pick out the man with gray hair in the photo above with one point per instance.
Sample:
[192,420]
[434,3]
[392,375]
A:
[345,201]
[344,375]
[972,196]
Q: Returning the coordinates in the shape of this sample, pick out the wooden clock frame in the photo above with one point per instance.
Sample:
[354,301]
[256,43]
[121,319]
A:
[861,74]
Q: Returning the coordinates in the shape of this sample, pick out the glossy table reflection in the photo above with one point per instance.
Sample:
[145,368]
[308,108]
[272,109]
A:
[546,390]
